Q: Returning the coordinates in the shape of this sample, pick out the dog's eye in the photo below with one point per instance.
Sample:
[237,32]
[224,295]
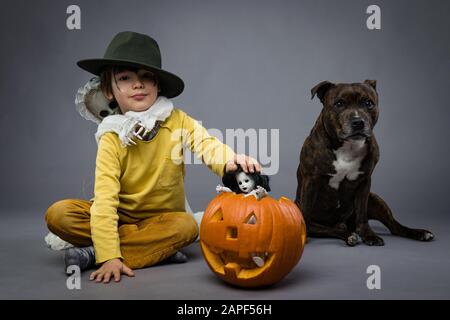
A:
[368,104]
[339,103]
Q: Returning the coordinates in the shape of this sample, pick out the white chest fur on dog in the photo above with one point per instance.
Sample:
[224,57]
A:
[348,161]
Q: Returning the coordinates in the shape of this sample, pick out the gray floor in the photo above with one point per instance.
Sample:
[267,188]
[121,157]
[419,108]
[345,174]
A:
[327,270]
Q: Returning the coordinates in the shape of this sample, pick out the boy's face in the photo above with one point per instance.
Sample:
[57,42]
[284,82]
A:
[134,90]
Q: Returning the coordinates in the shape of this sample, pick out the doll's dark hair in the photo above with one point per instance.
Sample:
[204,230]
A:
[229,180]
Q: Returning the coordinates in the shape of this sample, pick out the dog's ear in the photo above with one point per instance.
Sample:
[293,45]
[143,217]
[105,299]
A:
[321,89]
[372,83]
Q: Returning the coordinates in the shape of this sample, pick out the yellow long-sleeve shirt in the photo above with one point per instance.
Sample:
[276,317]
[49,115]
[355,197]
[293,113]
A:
[142,180]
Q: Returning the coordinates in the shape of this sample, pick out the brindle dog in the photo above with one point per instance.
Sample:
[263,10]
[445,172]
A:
[336,165]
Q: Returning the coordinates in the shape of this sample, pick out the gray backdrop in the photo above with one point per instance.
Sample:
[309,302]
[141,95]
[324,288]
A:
[246,64]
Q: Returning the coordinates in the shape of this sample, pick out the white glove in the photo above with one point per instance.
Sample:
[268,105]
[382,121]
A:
[221,188]
[259,193]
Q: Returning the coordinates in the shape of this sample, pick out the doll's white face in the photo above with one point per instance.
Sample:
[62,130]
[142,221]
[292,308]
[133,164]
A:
[134,91]
[245,182]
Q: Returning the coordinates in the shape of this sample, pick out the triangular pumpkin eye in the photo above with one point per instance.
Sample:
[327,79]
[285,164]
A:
[251,219]
[217,216]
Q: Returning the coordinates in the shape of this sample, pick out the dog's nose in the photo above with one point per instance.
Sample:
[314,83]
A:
[357,124]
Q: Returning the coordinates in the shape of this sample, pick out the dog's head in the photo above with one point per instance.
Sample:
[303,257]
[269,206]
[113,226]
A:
[350,109]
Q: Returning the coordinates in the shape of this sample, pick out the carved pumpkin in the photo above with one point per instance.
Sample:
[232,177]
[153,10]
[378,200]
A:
[252,243]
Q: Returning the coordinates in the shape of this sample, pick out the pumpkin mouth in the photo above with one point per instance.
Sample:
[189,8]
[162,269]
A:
[231,264]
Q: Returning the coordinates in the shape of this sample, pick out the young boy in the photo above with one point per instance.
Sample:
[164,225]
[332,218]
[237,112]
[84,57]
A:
[137,217]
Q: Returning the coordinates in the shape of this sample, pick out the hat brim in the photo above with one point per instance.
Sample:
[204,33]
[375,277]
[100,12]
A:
[171,85]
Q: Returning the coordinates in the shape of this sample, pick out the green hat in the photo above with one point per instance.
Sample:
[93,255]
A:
[131,49]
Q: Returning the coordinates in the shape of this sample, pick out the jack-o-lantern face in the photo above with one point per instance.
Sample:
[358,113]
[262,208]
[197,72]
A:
[248,242]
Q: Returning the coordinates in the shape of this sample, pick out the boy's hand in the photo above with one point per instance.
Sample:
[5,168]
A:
[247,163]
[111,268]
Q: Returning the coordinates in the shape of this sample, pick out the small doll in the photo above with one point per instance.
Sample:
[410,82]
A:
[238,181]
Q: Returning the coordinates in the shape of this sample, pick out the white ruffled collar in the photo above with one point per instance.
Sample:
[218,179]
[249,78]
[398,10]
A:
[125,124]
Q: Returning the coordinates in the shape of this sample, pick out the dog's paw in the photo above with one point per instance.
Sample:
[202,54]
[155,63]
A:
[417,234]
[353,239]
[373,240]
[426,235]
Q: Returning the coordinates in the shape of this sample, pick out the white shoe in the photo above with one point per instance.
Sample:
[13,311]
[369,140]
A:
[198,216]
[56,243]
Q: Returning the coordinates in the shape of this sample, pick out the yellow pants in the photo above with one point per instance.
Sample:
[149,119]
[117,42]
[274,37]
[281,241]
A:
[142,242]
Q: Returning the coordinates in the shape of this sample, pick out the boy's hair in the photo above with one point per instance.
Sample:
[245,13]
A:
[107,75]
